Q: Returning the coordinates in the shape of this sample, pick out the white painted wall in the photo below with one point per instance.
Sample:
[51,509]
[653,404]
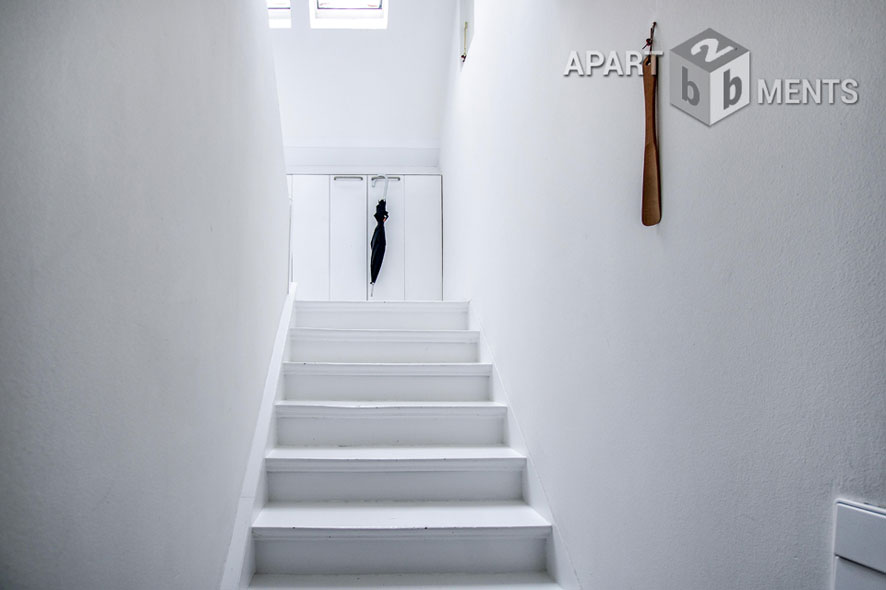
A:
[695,395]
[143,227]
[356,97]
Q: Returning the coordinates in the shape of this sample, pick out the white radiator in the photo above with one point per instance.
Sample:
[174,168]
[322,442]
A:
[860,547]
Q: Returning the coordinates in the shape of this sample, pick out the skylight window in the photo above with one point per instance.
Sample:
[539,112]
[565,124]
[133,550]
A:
[279,14]
[348,14]
[349,4]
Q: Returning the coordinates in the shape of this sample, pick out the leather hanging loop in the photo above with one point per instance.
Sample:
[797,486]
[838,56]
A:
[649,41]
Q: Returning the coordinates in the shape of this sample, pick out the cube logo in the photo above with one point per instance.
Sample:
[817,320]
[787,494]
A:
[710,76]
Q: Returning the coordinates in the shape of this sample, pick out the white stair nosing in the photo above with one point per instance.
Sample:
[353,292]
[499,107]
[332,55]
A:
[392,466]
[413,452]
[384,335]
[373,410]
[388,369]
[393,459]
[390,404]
[539,531]
[399,516]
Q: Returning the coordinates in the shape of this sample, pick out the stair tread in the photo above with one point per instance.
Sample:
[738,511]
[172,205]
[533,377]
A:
[398,516]
[453,365]
[383,304]
[388,369]
[455,335]
[387,404]
[379,409]
[523,581]
[395,453]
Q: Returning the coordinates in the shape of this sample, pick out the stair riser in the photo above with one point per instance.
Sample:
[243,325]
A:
[414,555]
[373,320]
[522,581]
[386,387]
[305,349]
[395,486]
[436,429]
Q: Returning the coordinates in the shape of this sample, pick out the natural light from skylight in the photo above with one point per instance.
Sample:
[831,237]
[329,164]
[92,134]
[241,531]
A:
[279,14]
[348,14]
[349,4]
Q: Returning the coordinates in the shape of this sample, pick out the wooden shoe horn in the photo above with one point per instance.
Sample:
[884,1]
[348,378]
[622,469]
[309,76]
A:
[651,214]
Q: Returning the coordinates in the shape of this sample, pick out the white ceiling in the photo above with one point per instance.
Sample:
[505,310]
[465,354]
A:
[358,88]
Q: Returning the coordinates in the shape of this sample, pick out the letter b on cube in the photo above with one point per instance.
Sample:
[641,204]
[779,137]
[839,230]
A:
[710,76]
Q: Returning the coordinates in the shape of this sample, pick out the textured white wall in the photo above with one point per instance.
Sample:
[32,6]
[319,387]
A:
[694,395]
[362,88]
[143,227]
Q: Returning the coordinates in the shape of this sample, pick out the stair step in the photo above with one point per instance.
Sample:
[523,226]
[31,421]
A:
[409,315]
[391,458]
[527,581]
[387,381]
[404,346]
[370,409]
[399,537]
[394,473]
[390,469]
[383,423]
[366,520]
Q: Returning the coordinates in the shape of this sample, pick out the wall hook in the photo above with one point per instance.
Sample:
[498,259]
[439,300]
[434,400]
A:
[649,42]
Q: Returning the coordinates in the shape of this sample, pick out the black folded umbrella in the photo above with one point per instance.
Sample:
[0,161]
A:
[377,243]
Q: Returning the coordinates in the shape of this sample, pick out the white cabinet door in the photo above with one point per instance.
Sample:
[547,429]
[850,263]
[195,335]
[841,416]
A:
[348,239]
[332,223]
[424,238]
[310,235]
[390,283]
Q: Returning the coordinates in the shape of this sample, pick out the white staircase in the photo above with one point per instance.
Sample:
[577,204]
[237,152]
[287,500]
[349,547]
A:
[390,468]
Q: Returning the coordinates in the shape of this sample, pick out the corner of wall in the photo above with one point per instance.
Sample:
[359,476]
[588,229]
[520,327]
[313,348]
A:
[559,561]
[239,565]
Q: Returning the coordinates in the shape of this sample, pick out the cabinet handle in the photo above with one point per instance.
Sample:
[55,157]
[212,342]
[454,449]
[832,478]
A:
[391,178]
[347,178]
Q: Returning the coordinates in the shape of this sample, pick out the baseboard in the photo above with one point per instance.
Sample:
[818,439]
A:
[238,567]
[559,561]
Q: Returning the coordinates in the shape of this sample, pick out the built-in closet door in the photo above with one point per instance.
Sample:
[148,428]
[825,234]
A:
[348,238]
[390,285]
[332,223]
[310,235]
[424,238]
